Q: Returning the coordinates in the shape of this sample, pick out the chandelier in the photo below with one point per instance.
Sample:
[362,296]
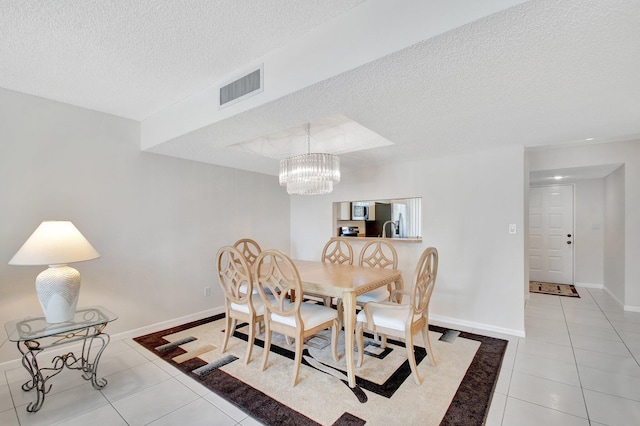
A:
[310,173]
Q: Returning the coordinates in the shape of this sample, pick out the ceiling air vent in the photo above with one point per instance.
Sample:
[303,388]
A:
[244,87]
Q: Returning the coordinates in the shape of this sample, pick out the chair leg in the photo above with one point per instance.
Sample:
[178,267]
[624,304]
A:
[229,326]
[250,341]
[427,344]
[334,340]
[412,358]
[267,345]
[298,359]
[359,343]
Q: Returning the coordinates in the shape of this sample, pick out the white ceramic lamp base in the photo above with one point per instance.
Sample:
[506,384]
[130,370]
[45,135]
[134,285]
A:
[58,288]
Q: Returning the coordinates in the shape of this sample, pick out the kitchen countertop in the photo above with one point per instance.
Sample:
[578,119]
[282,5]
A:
[394,240]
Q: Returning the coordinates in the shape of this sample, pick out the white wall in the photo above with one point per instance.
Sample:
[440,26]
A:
[589,232]
[157,221]
[525,227]
[614,237]
[468,201]
[627,153]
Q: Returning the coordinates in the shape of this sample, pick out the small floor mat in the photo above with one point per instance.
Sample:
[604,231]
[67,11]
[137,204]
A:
[568,290]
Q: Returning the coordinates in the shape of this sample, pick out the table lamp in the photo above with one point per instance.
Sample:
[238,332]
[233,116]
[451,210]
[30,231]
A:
[56,243]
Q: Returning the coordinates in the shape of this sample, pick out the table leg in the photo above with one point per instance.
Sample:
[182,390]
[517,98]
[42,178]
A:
[87,362]
[349,307]
[90,369]
[38,380]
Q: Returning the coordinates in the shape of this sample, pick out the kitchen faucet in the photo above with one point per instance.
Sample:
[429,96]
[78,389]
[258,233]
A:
[384,229]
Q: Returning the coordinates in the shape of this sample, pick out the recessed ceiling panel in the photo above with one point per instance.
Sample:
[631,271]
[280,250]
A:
[334,135]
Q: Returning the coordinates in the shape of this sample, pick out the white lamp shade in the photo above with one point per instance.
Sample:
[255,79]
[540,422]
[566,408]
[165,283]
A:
[54,243]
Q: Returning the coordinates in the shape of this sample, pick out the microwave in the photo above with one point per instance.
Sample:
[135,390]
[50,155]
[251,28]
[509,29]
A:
[359,211]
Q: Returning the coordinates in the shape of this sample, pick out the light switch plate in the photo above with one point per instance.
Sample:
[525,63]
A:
[512,228]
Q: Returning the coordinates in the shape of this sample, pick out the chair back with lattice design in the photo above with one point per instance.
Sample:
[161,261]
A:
[278,277]
[379,254]
[425,280]
[338,251]
[234,274]
[249,249]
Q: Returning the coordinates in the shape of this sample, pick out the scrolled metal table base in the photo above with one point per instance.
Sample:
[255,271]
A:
[87,362]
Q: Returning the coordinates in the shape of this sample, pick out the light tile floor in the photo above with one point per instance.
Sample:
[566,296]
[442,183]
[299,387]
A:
[142,390]
[578,365]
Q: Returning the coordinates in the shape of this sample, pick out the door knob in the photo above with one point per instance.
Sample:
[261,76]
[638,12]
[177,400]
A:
[568,235]
[568,242]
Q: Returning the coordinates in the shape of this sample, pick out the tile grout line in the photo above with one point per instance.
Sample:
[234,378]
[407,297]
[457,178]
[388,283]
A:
[504,409]
[616,330]
[575,359]
[532,375]
[13,401]
[548,408]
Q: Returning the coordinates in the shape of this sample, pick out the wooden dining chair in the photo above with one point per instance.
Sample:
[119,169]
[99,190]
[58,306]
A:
[249,249]
[381,254]
[277,275]
[241,303]
[378,253]
[404,319]
[338,251]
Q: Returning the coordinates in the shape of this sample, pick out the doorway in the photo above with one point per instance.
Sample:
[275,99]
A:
[551,230]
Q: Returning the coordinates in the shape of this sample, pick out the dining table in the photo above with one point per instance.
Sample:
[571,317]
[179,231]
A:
[346,282]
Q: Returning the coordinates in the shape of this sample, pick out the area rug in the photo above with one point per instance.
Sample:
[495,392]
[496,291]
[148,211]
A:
[457,391]
[568,290]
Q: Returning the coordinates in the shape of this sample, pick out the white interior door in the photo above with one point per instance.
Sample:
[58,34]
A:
[551,234]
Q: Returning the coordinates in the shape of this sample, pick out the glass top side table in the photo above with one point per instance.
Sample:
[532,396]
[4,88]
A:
[33,335]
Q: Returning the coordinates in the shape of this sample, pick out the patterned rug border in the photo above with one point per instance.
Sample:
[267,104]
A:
[574,291]
[469,405]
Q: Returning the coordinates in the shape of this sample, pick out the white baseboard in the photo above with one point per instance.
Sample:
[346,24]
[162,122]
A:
[628,308]
[166,324]
[17,363]
[475,325]
[589,285]
[614,297]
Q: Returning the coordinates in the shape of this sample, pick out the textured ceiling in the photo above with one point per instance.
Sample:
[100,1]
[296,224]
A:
[541,73]
[134,58]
